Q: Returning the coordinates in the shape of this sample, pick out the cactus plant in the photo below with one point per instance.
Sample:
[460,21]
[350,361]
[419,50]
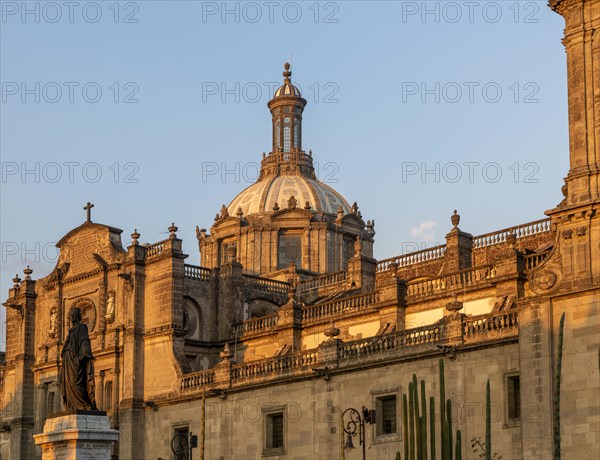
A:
[458,452]
[415,423]
[432,426]
[405,424]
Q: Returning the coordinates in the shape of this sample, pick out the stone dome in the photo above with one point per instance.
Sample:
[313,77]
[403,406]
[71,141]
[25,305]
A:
[287,89]
[262,196]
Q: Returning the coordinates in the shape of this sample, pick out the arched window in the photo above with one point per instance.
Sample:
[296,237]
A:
[297,133]
[50,404]
[277,134]
[286,134]
[108,396]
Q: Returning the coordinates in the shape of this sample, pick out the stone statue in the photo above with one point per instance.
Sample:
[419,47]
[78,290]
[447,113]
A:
[52,327]
[77,385]
[110,307]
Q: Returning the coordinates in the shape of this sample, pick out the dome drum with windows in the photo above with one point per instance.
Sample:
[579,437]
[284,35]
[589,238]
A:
[287,203]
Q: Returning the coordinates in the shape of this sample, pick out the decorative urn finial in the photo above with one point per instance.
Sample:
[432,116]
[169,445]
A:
[455,218]
[287,73]
[28,271]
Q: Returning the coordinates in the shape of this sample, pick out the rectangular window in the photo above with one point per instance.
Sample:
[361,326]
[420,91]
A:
[386,415]
[289,250]
[225,246]
[513,388]
[275,431]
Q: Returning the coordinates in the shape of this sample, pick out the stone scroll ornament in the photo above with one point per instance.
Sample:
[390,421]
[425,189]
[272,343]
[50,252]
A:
[77,385]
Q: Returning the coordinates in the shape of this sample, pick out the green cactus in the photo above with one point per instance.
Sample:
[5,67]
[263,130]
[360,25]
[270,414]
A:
[415,423]
[449,419]
[556,402]
[423,422]
[458,452]
[405,424]
[415,389]
[488,423]
[411,427]
[432,426]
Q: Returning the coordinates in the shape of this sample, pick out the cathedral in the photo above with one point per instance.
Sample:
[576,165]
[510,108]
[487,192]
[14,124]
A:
[289,321]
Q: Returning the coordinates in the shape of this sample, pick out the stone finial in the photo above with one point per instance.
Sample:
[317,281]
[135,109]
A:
[16,281]
[226,354]
[307,206]
[331,332]
[172,229]
[455,218]
[224,212]
[354,208]
[287,73]
[264,155]
[200,233]
[455,306]
[275,207]
[239,212]
[310,153]
[292,202]
[135,236]
[217,217]
[28,271]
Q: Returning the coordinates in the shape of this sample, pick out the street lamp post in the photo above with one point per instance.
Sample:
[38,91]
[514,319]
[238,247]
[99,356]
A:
[355,424]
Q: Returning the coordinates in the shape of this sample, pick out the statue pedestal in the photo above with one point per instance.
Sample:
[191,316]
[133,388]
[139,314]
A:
[80,435]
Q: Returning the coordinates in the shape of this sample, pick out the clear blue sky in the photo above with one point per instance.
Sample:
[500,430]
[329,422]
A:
[362,67]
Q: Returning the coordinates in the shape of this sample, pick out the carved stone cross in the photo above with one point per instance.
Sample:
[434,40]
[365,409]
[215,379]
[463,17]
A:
[88,207]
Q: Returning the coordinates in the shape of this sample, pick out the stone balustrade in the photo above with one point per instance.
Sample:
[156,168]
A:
[521,231]
[296,362]
[436,252]
[337,308]
[267,284]
[197,380]
[395,341]
[427,339]
[460,280]
[322,281]
[197,273]
[533,260]
[261,325]
[483,327]
[155,249]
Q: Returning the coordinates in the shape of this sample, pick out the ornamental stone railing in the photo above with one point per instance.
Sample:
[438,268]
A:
[432,335]
[538,227]
[322,281]
[483,327]
[197,380]
[155,249]
[266,284]
[303,361]
[521,231]
[197,273]
[436,252]
[460,280]
[337,308]
[256,325]
[533,260]
[337,355]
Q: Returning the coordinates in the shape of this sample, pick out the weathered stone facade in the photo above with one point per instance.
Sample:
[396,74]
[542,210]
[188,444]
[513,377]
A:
[290,315]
